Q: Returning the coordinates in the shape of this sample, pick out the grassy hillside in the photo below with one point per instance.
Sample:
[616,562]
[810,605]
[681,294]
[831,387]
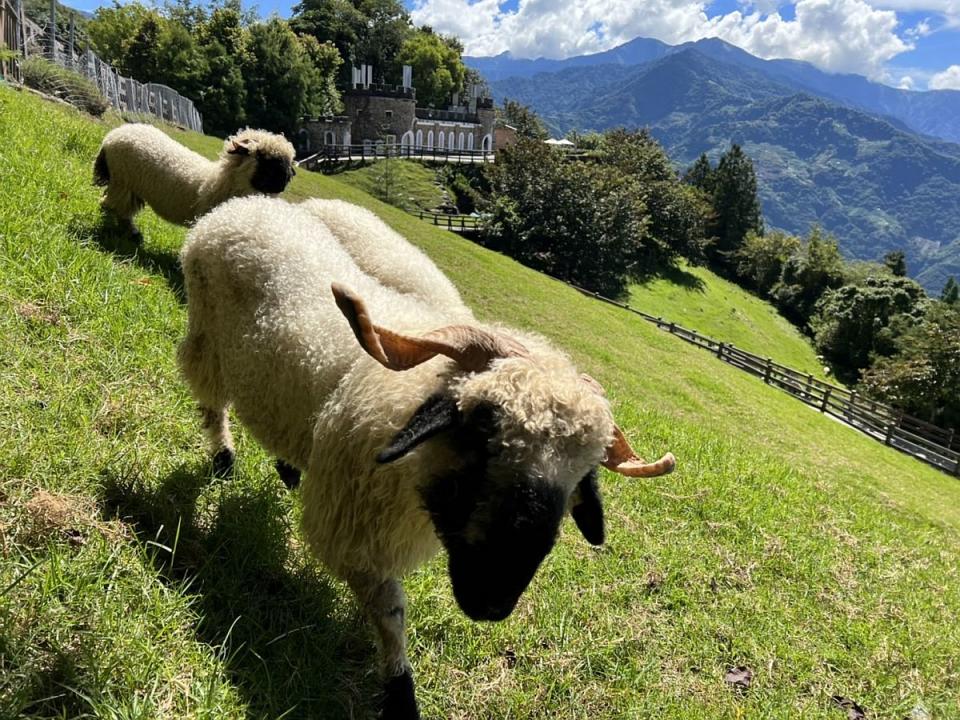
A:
[413,186]
[701,300]
[134,586]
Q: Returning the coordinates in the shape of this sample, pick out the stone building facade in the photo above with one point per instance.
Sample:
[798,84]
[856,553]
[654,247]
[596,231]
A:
[388,114]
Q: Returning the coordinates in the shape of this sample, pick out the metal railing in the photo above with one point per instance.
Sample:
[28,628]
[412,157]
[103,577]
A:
[28,39]
[370,152]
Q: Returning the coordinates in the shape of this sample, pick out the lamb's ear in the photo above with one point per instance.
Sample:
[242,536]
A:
[586,507]
[437,413]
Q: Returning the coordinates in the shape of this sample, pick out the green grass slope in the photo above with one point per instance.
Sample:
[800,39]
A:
[700,300]
[413,185]
[132,585]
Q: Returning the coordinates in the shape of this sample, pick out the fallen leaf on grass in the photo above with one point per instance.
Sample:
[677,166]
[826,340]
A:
[739,678]
[854,711]
[37,313]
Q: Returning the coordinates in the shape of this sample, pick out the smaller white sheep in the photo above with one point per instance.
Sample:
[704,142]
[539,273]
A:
[139,164]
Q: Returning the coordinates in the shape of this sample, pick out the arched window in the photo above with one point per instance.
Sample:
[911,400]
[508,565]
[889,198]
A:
[419,139]
[430,140]
[406,141]
[470,141]
[487,144]
[329,138]
[460,142]
[440,141]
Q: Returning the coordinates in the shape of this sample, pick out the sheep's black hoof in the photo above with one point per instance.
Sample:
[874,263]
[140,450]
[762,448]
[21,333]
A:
[399,699]
[223,462]
[289,475]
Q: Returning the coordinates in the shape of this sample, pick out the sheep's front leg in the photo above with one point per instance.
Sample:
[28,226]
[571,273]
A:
[216,426]
[385,605]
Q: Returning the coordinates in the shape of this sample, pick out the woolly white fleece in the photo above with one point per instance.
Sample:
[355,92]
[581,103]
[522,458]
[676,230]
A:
[383,253]
[265,335]
[146,165]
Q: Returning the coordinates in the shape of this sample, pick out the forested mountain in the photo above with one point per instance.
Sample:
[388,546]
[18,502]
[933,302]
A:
[934,113]
[868,179]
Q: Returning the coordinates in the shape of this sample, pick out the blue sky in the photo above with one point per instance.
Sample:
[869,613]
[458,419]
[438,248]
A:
[907,43]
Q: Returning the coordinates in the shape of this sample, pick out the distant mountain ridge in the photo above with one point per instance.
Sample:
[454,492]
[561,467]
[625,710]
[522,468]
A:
[933,112]
[870,179]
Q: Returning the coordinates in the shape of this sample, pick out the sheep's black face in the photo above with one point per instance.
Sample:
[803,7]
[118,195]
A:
[271,174]
[492,564]
[496,523]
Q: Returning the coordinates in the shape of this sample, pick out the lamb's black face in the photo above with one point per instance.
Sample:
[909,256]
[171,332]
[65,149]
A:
[496,523]
[272,174]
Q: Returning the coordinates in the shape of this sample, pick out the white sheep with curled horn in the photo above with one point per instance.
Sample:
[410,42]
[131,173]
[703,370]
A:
[416,427]
[139,164]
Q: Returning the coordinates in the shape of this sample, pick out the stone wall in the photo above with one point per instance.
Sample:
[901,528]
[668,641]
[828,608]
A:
[376,116]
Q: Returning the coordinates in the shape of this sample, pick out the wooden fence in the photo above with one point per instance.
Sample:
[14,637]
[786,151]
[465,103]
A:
[929,443]
[28,39]
[454,223]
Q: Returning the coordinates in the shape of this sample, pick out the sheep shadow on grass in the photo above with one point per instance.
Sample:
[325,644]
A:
[290,638]
[106,233]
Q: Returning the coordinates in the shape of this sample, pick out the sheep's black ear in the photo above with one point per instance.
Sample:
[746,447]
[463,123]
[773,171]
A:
[586,507]
[438,413]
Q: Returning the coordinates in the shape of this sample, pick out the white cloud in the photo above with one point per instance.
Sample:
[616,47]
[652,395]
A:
[949,79]
[906,83]
[920,30]
[836,35]
[949,10]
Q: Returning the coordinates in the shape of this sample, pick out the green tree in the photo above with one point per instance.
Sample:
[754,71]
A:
[855,322]
[437,69]
[577,222]
[678,215]
[526,121]
[923,377]
[113,29]
[759,261]
[338,22]
[277,75]
[896,262]
[223,98]
[951,292]
[141,59]
[324,62]
[701,174]
[386,29]
[737,206]
[811,270]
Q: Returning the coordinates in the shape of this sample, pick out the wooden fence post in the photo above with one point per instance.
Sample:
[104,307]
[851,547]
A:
[720,350]
[826,397]
[766,371]
[888,436]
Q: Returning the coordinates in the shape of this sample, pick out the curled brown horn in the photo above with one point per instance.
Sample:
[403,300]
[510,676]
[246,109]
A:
[621,458]
[472,348]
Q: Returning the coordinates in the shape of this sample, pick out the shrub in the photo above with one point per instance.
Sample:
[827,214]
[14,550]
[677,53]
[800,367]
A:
[52,79]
